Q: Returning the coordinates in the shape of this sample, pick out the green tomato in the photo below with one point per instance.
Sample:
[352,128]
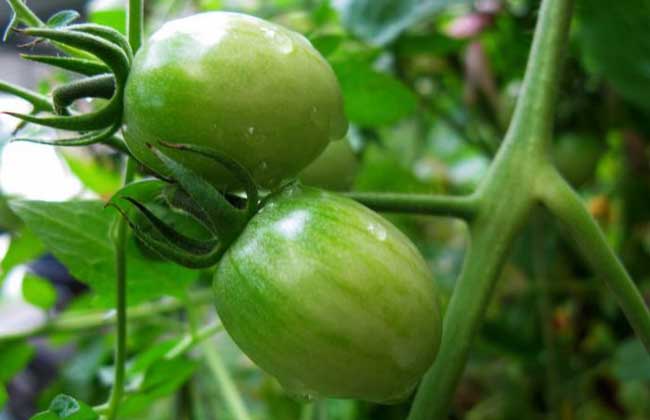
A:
[253,90]
[330,298]
[576,157]
[108,12]
[334,170]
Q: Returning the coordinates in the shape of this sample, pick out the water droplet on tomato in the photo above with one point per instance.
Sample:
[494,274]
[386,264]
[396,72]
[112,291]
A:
[378,231]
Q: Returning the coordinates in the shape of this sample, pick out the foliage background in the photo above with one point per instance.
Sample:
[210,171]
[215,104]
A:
[429,87]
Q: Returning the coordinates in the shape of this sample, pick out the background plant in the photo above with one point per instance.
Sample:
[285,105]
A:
[430,91]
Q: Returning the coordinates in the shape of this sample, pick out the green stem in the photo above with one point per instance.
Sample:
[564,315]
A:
[532,121]
[590,241]
[492,235]
[135,24]
[78,323]
[226,384]
[439,205]
[190,340]
[24,14]
[120,283]
[39,102]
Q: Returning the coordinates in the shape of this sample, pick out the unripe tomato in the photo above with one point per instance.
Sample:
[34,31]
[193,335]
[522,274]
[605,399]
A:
[334,169]
[576,157]
[330,298]
[251,89]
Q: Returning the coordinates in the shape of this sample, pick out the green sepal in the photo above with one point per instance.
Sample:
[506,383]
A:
[157,242]
[240,172]
[75,65]
[178,199]
[98,136]
[107,33]
[222,217]
[12,24]
[100,86]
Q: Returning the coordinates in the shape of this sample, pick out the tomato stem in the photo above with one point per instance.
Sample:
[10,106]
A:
[135,24]
[590,241]
[463,207]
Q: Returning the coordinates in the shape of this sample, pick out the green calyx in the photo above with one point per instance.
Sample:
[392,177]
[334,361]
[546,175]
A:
[195,198]
[99,53]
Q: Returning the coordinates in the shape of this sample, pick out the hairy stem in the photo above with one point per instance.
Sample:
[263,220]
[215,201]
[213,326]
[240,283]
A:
[78,323]
[439,205]
[120,283]
[590,241]
[39,102]
[532,121]
[24,13]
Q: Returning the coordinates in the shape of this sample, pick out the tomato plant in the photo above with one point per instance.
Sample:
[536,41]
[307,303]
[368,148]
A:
[225,123]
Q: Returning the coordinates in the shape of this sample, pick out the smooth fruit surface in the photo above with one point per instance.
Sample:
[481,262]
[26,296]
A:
[330,298]
[576,157]
[335,169]
[246,87]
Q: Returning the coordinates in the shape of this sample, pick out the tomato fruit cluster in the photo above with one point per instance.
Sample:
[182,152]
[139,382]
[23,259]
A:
[330,298]
[243,86]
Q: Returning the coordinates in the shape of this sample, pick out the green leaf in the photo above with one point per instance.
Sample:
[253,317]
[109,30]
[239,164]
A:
[373,98]
[62,18]
[3,396]
[378,22]
[78,233]
[96,177]
[24,247]
[66,407]
[626,65]
[38,291]
[13,359]
[631,362]
[8,219]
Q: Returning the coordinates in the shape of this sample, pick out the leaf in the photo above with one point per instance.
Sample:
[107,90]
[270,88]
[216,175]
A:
[3,396]
[378,22]
[631,362]
[113,14]
[66,407]
[24,247]
[62,18]
[626,65]
[96,177]
[372,98]
[78,233]
[13,359]
[38,291]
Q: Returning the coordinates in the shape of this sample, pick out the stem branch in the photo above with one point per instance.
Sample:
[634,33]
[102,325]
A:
[436,205]
[590,241]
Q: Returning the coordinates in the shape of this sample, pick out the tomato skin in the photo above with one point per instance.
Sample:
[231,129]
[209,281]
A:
[335,169]
[251,89]
[330,298]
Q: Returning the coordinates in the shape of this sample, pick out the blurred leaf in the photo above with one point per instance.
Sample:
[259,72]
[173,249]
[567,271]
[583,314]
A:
[78,234]
[13,359]
[62,18]
[326,44]
[8,219]
[631,361]
[96,177]
[38,291]
[3,396]
[24,247]
[378,22]
[615,42]
[108,12]
[372,98]
[66,407]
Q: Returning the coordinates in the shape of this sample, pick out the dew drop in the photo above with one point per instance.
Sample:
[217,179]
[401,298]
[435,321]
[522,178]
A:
[377,231]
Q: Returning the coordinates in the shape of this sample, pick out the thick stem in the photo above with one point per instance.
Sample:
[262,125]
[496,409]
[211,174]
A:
[532,122]
[24,14]
[492,235]
[120,306]
[79,323]
[590,241]
[439,205]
